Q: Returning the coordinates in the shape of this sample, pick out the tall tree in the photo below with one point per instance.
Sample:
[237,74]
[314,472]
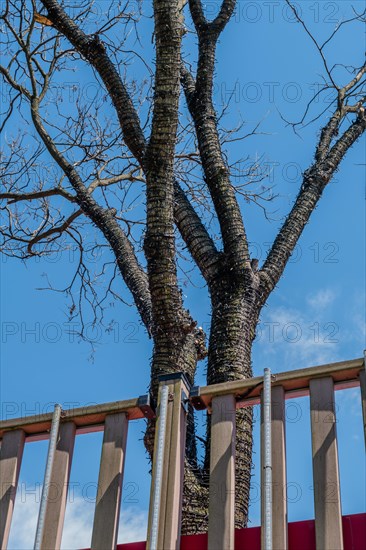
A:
[99,161]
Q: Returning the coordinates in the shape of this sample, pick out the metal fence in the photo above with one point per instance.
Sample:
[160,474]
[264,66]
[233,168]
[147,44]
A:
[221,401]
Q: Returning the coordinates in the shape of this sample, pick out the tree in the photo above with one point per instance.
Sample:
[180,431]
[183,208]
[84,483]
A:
[98,162]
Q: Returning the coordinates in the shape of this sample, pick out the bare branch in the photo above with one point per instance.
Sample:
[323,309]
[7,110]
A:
[220,21]
[195,235]
[224,15]
[13,83]
[36,195]
[353,82]
[345,142]
[133,274]
[330,130]
[216,171]
[95,52]
[159,244]
[105,182]
[319,48]
[41,236]
[315,180]
[197,14]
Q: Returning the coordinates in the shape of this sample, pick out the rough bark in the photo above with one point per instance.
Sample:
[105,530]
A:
[315,180]
[237,291]
[234,319]
[93,50]
[103,218]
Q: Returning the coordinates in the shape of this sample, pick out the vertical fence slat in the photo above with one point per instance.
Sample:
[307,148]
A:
[328,517]
[176,473]
[165,474]
[279,496]
[107,507]
[222,474]
[10,460]
[363,397]
[56,505]
[168,531]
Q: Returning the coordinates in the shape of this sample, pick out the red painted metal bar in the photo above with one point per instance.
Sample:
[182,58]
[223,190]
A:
[301,536]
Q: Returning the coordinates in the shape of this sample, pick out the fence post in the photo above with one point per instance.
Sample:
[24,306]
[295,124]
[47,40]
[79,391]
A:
[167,482]
[279,495]
[327,499]
[221,520]
[10,460]
[59,483]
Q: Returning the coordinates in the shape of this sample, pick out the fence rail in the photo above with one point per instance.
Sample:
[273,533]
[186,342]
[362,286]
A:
[86,419]
[221,402]
[296,383]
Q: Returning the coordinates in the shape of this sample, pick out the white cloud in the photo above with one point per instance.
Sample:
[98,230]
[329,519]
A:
[133,525]
[349,403]
[23,528]
[78,524]
[295,339]
[358,315]
[321,299]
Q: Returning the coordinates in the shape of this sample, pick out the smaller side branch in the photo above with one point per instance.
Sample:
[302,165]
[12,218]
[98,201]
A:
[224,15]
[194,234]
[200,104]
[131,271]
[218,24]
[54,230]
[330,130]
[15,85]
[199,19]
[314,183]
[95,53]
[319,48]
[35,195]
[350,136]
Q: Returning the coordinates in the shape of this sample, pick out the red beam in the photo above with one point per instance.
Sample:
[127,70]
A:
[301,536]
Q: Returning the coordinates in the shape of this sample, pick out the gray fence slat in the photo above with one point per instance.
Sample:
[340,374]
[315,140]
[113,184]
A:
[328,517]
[106,518]
[10,460]
[56,505]
[221,522]
[279,506]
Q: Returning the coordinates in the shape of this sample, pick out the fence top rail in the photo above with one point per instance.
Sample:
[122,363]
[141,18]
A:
[247,392]
[345,374]
[86,419]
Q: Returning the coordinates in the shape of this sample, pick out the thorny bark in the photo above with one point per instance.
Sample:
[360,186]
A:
[237,290]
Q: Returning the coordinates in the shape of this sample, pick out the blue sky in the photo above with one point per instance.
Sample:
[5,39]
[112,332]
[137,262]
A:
[316,314]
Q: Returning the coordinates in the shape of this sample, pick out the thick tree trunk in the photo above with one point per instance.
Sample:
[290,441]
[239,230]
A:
[237,291]
[235,313]
[177,353]
[233,328]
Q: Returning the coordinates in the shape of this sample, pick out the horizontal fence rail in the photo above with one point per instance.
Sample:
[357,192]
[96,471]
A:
[221,402]
[113,419]
[345,374]
[86,419]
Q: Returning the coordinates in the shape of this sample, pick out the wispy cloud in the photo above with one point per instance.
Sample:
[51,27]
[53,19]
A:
[78,524]
[321,299]
[24,523]
[295,339]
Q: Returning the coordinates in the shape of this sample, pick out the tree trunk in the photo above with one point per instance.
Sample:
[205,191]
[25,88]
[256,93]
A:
[176,353]
[235,314]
